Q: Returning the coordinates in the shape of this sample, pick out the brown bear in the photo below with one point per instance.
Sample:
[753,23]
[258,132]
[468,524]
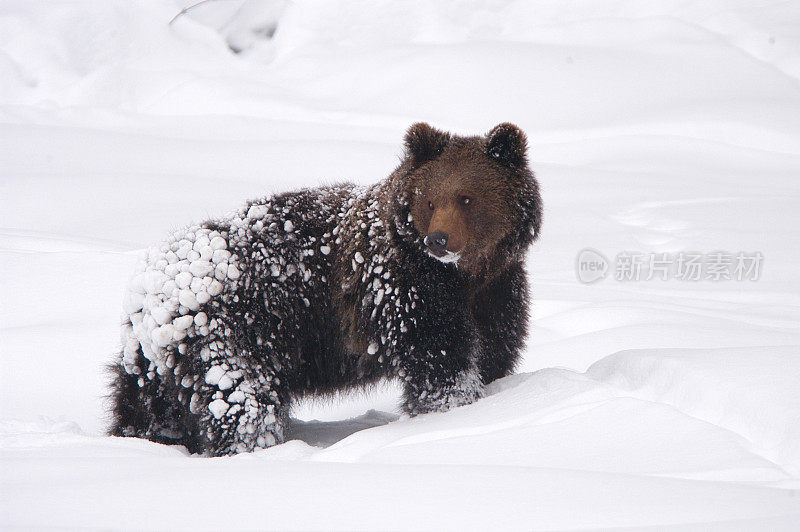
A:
[419,277]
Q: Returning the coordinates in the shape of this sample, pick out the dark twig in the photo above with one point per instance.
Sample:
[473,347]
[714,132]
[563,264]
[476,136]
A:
[189,8]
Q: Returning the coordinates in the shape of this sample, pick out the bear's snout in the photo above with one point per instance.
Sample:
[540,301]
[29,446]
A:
[437,242]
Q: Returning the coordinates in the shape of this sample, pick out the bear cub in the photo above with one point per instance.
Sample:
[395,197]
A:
[419,277]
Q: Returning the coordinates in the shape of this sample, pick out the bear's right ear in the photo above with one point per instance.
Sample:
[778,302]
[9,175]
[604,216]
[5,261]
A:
[508,144]
[424,142]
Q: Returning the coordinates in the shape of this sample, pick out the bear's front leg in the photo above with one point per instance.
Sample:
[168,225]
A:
[501,313]
[440,371]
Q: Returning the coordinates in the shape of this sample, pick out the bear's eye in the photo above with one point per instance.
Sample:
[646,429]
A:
[466,200]
[430,205]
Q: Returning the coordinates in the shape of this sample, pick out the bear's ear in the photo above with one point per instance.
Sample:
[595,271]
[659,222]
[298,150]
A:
[424,142]
[508,144]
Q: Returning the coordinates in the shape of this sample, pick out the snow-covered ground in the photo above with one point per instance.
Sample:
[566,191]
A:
[655,127]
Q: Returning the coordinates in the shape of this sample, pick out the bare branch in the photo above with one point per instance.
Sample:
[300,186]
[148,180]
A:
[189,8]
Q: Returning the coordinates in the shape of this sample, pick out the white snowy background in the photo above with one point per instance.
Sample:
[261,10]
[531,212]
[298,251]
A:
[654,126]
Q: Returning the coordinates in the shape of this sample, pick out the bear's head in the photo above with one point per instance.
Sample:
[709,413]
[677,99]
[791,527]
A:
[469,201]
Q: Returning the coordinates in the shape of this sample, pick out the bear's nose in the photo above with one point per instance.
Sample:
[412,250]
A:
[437,242]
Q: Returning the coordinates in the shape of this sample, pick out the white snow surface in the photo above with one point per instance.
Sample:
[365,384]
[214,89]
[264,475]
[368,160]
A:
[654,126]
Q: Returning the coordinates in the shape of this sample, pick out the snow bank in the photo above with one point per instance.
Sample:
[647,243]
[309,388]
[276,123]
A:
[750,391]
[601,421]
[556,448]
